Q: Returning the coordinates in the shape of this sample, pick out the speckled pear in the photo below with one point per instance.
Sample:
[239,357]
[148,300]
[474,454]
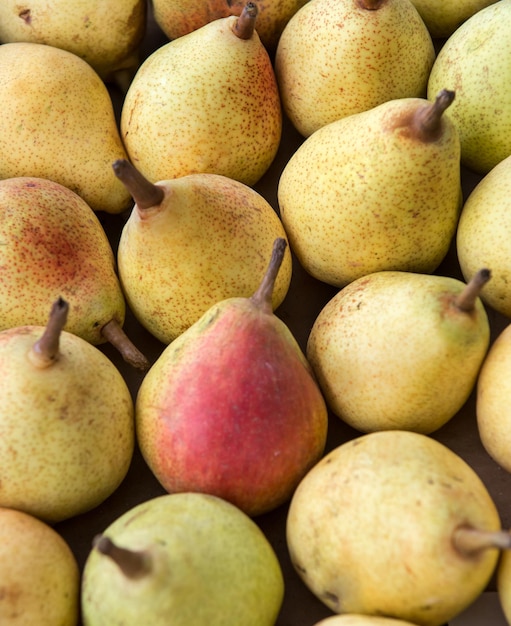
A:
[443,17]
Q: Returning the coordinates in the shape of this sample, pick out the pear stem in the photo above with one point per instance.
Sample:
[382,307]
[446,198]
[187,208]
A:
[245,24]
[466,300]
[133,564]
[114,334]
[262,298]
[370,5]
[145,193]
[428,119]
[470,541]
[45,351]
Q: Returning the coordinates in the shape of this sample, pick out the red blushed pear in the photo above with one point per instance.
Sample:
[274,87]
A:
[231,407]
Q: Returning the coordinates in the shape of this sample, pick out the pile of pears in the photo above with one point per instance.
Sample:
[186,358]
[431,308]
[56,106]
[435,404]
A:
[255,282]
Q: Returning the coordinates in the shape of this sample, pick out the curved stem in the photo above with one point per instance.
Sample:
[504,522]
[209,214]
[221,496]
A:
[470,541]
[262,298]
[144,193]
[428,119]
[466,300]
[245,24]
[114,334]
[133,564]
[45,351]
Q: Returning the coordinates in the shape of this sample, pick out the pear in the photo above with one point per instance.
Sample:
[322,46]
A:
[182,559]
[443,17]
[395,524]
[58,123]
[66,421]
[231,407]
[400,350]
[191,242]
[106,34]
[504,584]
[205,102]
[352,619]
[475,61]
[40,575]
[54,245]
[377,190]
[484,234]
[339,57]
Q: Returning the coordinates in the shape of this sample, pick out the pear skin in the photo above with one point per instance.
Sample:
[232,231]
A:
[503,579]
[443,17]
[361,620]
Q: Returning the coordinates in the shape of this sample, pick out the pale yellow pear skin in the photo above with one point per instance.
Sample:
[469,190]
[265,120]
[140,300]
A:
[58,123]
[106,34]
[361,620]
[484,235]
[360,196]
[205,102]
[503,579]
[443,17]
[475,61]
[370,529]
[336,58]
[40,575]
[392,351]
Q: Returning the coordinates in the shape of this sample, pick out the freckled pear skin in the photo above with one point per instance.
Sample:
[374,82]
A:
[205,102]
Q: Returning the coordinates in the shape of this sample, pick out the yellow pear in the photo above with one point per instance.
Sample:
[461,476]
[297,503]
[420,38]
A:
[484,235]
[443,17]
[504,584]
[353,619]
[39,573]
[377,190]
[340,57]
[205,102]
[475,61]
[58,123]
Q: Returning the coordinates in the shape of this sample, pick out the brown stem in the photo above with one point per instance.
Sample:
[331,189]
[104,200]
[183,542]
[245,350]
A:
[466,300]
[114,334]
[262,298]
[133,564]
[45,351]
[370,5]
[245,24]
[470,541]
[428,119]
[145,193]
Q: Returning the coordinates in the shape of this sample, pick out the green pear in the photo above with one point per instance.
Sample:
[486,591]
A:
[361,620]
[395,524]
[503,579]
[231,406]
[205,102]
[66,421]
[191,242]
[400,350]
[58,123]
[484,235]
[443,17]
[377,190]
[40,576]
[54,245]
[339,57]
[106,34]
[475,61]
[182,559]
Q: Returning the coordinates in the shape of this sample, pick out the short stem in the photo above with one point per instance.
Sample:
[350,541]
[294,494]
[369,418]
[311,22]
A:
[466,300]
[428,119]
[370,5]
[133,564]
[114,334]
[145,193]
[471,541]
[245,24]
[45,351]
[262,298]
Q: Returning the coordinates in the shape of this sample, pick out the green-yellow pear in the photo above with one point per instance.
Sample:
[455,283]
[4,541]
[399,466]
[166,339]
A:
[484,235]
[182,559]
[395,524]
[39,573]
[353,619]
[475,62]
[66,421]
[443,17]
[106,34]
[191,242]
[504,584]
[205,102]
[377,190]
[339,57]
[400,350]
[58,123]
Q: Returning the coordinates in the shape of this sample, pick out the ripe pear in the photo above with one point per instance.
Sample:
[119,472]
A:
[352,619]
[191,242]
[58,123]
[54,245]
[378,190]
[339,57]
[182,559]
[484,234]
[39,573]
[443,17]
[475,62]
[106,34]
[219,112]
[231,407]
[66,421]
[395,524]
[504,584]
[400,350]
